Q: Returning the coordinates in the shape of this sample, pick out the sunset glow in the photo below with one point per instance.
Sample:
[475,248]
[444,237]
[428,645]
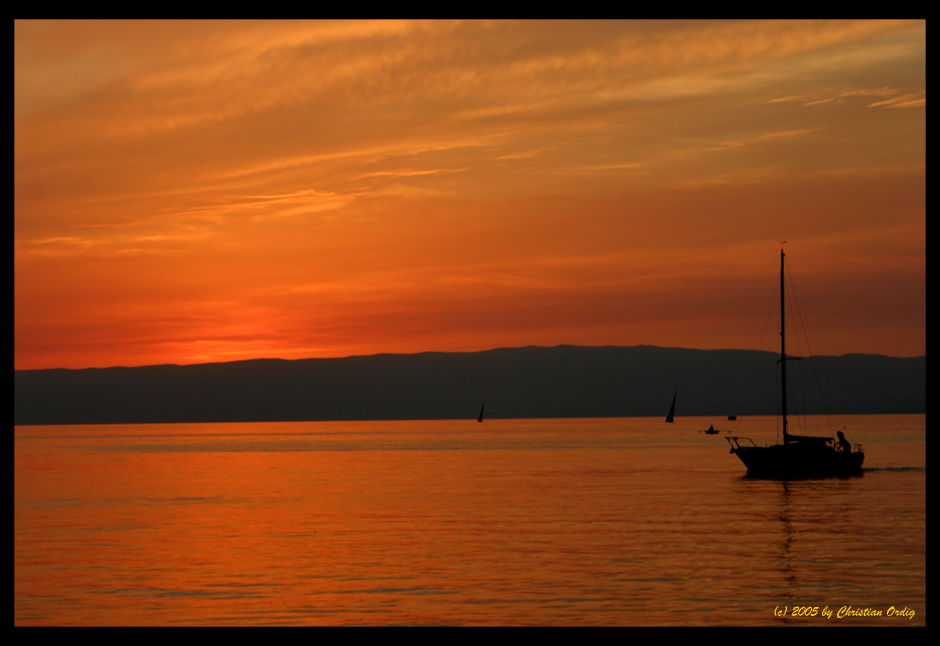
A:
[201,191]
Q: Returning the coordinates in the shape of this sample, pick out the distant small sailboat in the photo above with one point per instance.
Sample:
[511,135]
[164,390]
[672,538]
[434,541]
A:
[480,418]
[711,430]
[672,409]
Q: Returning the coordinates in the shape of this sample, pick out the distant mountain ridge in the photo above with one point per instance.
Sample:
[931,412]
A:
[528,382]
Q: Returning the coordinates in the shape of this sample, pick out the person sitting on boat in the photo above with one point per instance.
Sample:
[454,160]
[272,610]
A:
[711,427]
[844,444]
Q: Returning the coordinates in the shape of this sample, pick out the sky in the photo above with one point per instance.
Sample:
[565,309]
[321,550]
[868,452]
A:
[204,191]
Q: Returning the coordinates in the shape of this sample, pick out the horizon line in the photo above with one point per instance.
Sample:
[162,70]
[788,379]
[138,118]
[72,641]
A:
[408,354]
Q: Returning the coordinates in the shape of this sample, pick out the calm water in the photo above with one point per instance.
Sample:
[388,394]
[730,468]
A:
[617,522]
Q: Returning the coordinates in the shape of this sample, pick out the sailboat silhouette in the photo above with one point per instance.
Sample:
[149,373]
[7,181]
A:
[799,455]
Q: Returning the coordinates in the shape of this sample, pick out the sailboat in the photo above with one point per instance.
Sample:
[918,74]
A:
[799,456]
[480,418]
[672,409]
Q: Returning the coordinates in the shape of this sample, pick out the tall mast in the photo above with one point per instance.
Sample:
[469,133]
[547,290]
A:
[783,354]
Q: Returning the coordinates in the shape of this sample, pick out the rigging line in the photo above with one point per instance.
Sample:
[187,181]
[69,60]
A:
[798,319]
[815,357]
[800,352]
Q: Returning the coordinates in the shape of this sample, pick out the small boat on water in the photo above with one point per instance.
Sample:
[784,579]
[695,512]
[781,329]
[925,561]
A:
[711,430]
[799,456]
[672,409]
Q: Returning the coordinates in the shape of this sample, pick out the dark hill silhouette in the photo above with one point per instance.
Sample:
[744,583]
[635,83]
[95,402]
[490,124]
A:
[563,381]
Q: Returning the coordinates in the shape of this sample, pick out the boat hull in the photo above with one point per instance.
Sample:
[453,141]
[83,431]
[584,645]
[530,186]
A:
[798,461]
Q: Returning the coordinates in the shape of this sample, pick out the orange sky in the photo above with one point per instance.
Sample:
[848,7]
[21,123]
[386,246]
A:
[199,191]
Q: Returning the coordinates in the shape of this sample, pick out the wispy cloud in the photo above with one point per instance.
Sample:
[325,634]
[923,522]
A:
[418,166]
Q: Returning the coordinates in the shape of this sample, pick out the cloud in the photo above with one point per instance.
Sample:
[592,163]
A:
[427,168]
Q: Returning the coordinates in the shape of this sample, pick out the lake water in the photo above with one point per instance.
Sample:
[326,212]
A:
[545,522]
